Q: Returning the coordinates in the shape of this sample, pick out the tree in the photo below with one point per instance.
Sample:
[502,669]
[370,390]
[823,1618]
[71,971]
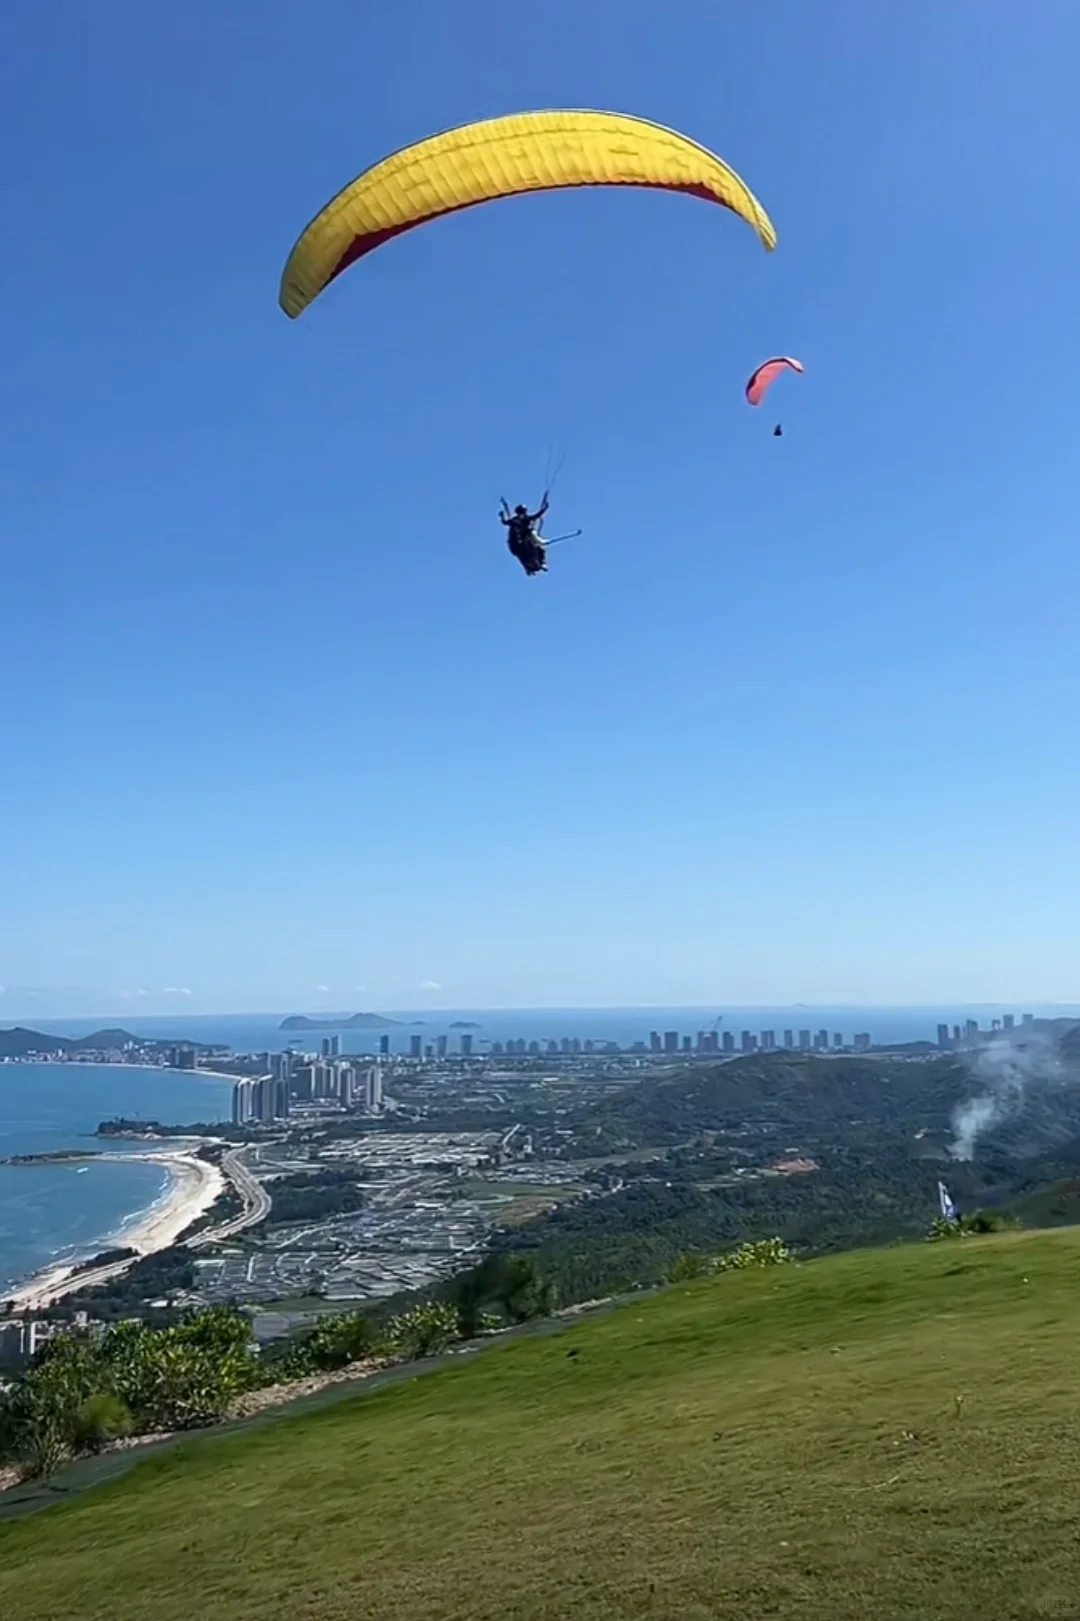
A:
[523,1293]
[180,1377]
[511,1281]
[41,1414]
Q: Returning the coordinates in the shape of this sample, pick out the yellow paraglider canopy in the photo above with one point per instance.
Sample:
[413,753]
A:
[502,157]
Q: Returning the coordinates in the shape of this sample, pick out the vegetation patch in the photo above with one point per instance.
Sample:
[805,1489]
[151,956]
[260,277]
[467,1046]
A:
[868,1437]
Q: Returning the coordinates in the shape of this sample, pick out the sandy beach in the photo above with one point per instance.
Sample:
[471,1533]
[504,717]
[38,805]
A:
[193,1187]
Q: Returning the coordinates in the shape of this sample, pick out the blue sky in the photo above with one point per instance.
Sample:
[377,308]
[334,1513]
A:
[794,720]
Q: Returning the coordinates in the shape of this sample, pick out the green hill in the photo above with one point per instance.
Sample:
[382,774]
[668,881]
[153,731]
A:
[781,1443]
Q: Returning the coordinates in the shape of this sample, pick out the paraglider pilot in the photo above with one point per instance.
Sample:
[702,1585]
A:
[521,536]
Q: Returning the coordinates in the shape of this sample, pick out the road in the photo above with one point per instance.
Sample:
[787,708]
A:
[255,1197]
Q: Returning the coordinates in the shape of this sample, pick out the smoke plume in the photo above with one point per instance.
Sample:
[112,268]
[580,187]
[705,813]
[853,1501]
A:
[1010,1076]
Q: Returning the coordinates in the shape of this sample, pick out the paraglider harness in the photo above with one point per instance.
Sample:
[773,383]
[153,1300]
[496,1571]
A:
[523,535]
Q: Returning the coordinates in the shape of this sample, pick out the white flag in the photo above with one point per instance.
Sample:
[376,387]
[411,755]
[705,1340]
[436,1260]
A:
[948,1209]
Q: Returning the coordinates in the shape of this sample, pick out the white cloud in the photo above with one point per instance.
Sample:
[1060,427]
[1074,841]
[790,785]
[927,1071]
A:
[323,990]
[430,985]
[176,990]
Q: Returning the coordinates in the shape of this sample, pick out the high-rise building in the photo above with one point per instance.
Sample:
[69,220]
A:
[429,1051]
[414,1046]
[804,1041]
[708,1041]
[182,1057]
[440,1046]
[347,1086]
[747,1042]
[384,1046]
[303,1083]
[837,1040]
[768,1041]
[995,1024]
[331,1047]
[322,1081]
[687,1044]
[466,1043]
[727,1041]
[861,1042]
[822,1042]
[956,1035]
[1009,1021]
[265,1098]
[243,1102]
[671,1041]
[552,1047]
[575,1044]
[655,1044]
[943,1036]
[534,1047]
[1027,1018]
[789,1039]
[281,1065]
[971,1032]
[373,1095]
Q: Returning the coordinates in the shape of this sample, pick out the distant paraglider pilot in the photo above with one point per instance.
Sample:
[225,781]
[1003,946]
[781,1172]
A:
[522,538]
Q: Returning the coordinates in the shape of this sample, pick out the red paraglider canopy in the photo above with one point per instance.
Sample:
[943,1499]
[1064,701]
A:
[764,375]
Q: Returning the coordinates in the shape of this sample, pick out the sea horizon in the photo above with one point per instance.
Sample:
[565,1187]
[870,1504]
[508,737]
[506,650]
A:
[262,1032]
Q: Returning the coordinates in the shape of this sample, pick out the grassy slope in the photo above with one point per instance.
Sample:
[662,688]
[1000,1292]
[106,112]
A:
[735,1448]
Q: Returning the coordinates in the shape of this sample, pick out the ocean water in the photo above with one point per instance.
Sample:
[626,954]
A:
[50,1214]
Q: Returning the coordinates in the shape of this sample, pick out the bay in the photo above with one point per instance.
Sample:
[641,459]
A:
[52,1214]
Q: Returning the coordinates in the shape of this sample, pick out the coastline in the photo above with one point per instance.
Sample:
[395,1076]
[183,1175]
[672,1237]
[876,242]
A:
[101,1063]
[194,1184]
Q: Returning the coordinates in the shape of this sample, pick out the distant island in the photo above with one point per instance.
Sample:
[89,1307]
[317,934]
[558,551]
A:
[22,1043]
[466,1024]
[55,1156]
[354,1021]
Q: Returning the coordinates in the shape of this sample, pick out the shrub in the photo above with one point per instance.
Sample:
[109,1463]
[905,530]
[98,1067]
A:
[102,1418]
[423,1331]
[690,1265]
[760,1252]
[338,1340]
